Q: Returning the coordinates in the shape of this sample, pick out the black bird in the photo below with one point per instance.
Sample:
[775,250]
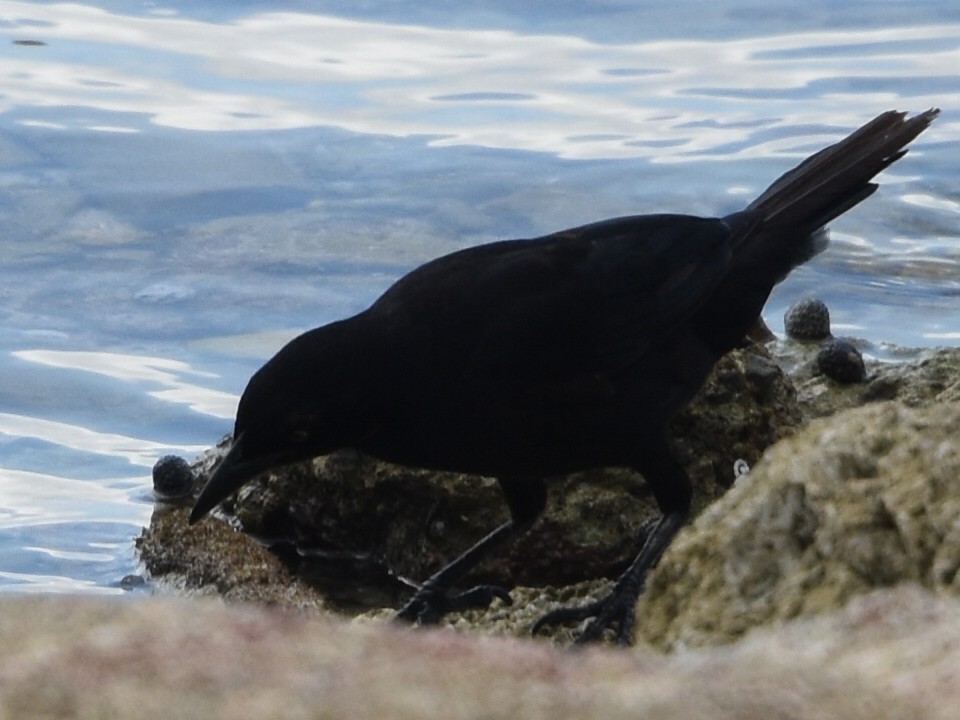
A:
[529,359]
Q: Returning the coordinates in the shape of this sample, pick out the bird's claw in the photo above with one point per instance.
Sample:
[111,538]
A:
[429,604]
[614,612]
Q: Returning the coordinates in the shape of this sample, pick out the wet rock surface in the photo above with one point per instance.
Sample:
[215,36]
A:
[214,559]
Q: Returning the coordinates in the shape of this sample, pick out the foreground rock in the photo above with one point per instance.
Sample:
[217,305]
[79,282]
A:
[866,499]
[889,656]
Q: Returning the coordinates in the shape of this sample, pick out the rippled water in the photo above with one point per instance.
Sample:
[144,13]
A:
[184,188]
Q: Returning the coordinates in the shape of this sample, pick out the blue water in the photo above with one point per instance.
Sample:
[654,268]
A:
[184,186]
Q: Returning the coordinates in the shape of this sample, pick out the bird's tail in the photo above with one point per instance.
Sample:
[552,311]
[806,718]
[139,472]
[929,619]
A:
[827,184]
[784,226]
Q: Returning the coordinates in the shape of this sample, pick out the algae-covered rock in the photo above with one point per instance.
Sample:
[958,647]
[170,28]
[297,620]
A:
[866,499]
[213,559]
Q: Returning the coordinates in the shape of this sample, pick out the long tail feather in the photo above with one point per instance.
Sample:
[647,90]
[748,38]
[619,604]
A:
[832,181]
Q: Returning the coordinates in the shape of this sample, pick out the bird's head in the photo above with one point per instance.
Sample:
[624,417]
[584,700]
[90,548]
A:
[307,401]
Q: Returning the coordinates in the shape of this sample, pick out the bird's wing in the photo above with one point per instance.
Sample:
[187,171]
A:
[654,272]
[584,301]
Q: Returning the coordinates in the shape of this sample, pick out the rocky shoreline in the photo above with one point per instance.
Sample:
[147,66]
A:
[851,489]
[823,583]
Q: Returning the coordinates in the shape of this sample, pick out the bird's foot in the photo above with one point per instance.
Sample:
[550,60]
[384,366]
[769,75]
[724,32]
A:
[431,603]
[616,612]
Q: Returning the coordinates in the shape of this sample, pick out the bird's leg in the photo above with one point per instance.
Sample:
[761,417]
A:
[526,500]
[618,607]
[671,487]
[432,601]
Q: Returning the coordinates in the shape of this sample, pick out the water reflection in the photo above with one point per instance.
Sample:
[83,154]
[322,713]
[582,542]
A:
[562,94]
[72,497]
[36,582]
[30,498]
[74,437]
[934,203]
[128,368]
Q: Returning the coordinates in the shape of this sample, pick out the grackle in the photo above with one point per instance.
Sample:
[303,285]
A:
[529,359]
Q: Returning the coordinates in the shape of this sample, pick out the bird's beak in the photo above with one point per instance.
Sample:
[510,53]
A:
[229,476]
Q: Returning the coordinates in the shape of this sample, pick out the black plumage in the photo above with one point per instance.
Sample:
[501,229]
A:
[528,359]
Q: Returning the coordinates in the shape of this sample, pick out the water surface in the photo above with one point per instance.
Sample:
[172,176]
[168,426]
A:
[183,188]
